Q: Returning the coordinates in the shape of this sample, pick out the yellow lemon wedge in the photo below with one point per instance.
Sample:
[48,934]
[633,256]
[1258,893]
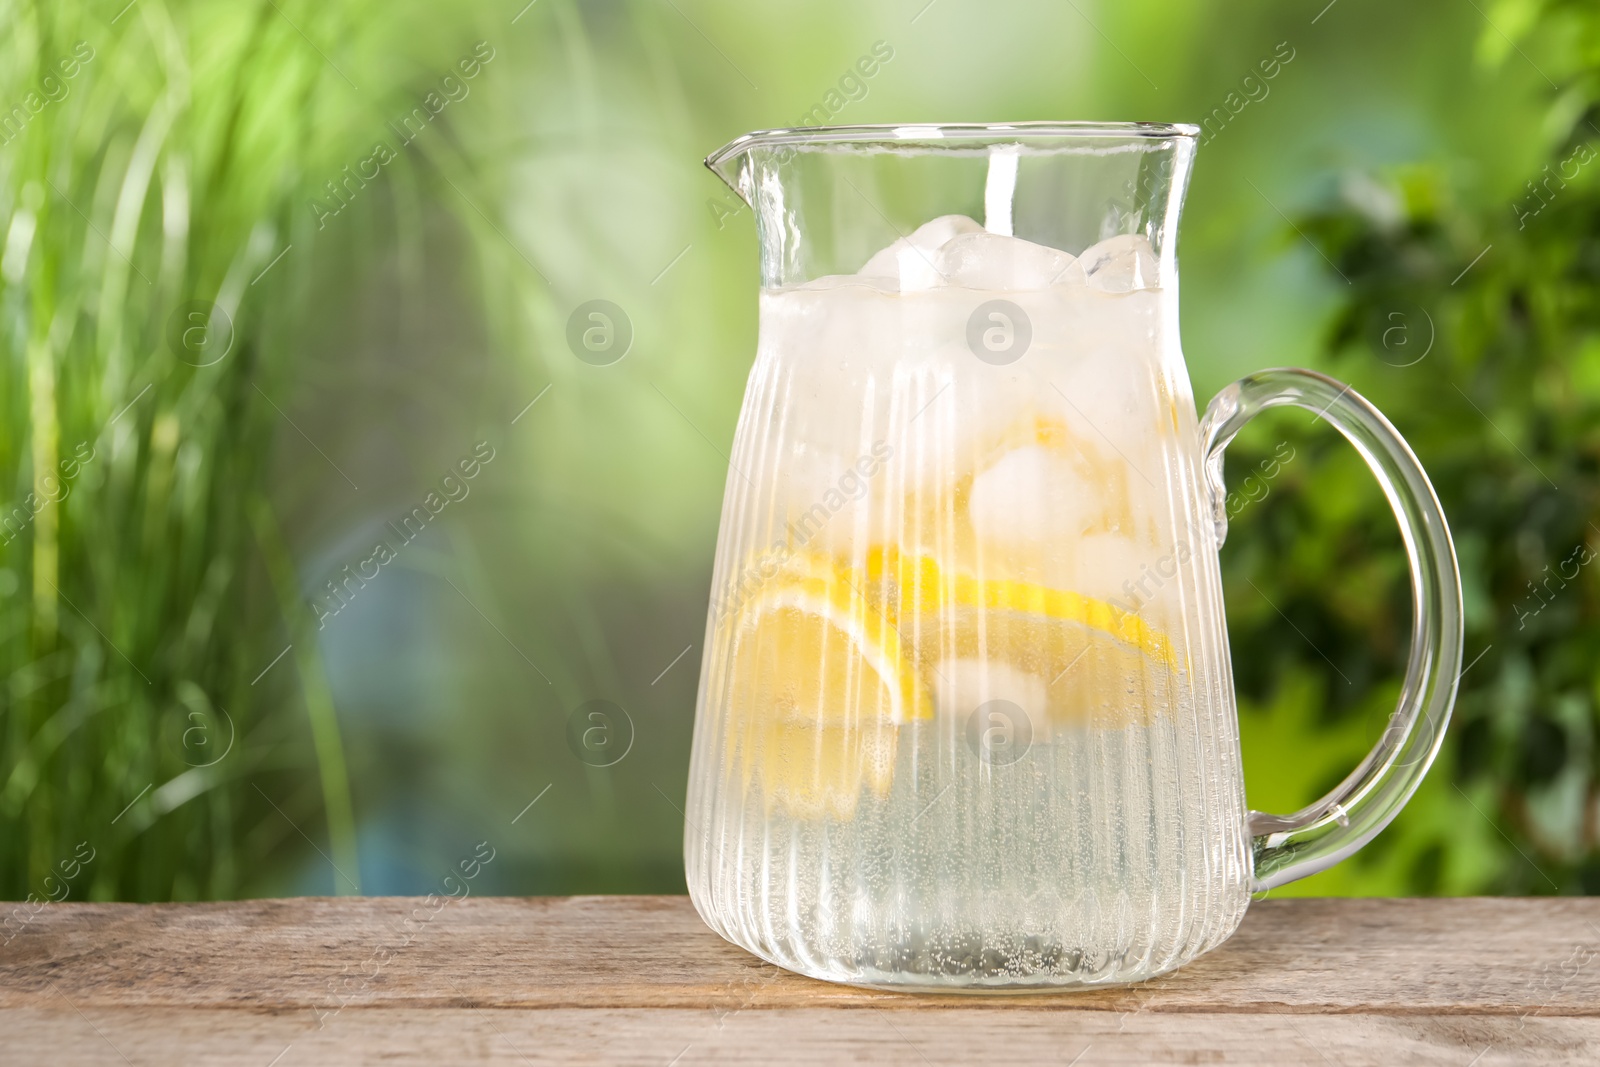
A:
[1101,665]
[905,584]
[819,688]
[833,658]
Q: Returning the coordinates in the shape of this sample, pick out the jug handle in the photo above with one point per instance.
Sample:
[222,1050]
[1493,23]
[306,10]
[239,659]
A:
[1316,837]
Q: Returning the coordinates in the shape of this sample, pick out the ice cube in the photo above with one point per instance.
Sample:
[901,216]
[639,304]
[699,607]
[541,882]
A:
[1030,497]
[964,686]
[994,261]
[912,260]
[852,281]
[1108,565]
[1120,264]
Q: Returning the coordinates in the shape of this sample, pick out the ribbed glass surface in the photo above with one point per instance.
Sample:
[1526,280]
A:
[966,719]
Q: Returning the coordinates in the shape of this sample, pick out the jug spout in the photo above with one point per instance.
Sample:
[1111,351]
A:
[728,163]
[827,199]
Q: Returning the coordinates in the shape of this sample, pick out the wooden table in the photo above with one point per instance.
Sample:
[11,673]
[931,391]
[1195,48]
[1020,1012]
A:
[641,980]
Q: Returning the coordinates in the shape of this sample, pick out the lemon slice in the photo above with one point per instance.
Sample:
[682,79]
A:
[905,584]
[818,690]
[1101,665]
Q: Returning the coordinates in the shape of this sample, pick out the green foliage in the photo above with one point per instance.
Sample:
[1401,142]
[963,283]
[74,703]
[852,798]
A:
[1481,324]
[157,161]
[137,611]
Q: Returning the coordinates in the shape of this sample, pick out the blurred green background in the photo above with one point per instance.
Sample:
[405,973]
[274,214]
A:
[275,275]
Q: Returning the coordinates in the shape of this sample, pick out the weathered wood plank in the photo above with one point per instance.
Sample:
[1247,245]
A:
[640,979]
[1469,956]
[116,1037]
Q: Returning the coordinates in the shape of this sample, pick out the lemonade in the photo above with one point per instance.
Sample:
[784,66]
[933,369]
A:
[963,715]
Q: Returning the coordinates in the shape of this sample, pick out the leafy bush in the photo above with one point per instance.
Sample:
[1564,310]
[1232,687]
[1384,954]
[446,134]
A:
[1485,324]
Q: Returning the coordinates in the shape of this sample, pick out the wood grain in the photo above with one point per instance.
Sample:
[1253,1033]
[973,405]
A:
[641,979]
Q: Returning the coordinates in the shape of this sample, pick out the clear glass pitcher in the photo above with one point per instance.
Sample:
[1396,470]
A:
[966,717]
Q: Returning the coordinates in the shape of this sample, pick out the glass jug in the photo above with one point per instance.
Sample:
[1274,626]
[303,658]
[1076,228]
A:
[966,716]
